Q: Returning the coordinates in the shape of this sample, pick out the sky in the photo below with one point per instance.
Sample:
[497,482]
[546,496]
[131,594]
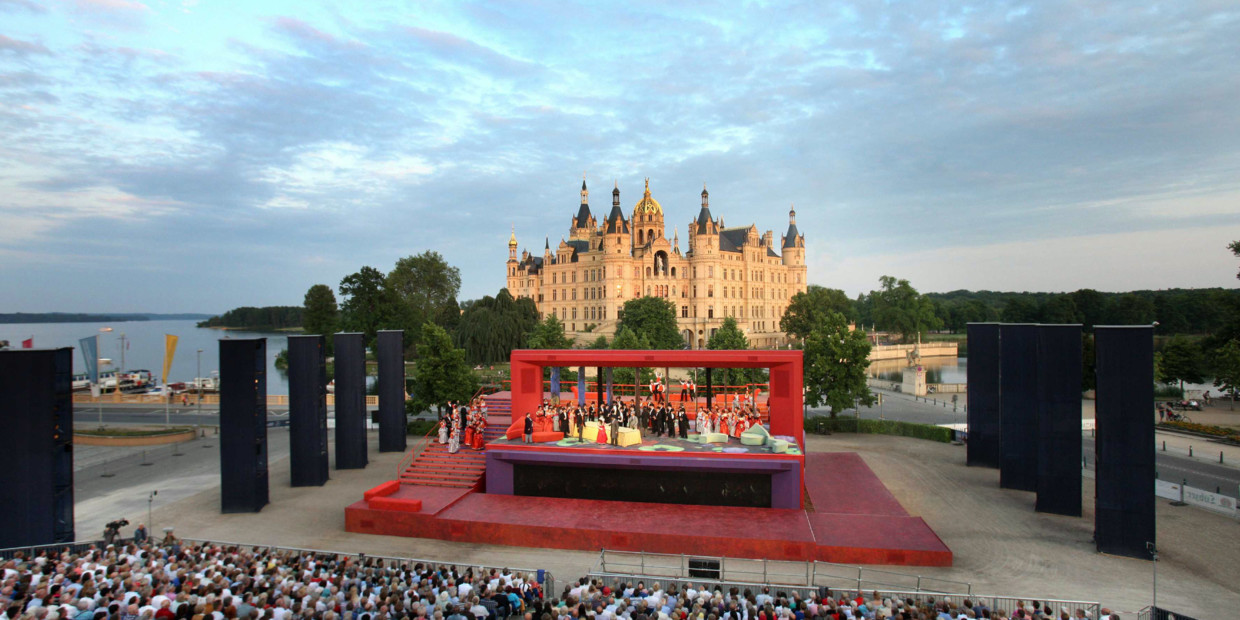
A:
[194,156]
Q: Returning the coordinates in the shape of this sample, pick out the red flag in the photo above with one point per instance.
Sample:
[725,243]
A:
[28,343]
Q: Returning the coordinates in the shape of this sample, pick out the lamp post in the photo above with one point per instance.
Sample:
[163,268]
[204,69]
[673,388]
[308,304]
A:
[150,525]
[197,381]
[1154,556]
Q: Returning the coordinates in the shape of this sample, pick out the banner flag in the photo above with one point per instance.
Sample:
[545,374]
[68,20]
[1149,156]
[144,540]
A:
[170,349]
[90,354]
[28,343]
[555,384]
[581,386]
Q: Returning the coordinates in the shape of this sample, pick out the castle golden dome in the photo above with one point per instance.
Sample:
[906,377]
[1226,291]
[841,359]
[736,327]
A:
[647,204]
[512,239]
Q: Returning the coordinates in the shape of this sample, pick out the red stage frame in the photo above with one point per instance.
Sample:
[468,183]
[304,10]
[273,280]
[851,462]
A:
[784,399]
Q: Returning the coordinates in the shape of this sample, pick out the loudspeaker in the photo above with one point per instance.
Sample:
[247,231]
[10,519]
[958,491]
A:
[350,401]
[307,410]
[36,408]
[392,426]
[703,568]
[1059,419]
[1018,388]
[243,424]
[983,398]
[1124,518]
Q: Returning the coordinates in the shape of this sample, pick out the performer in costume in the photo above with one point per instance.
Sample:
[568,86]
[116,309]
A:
[614,418]
[684,423]
[443,431]
[454,441]
[602,434]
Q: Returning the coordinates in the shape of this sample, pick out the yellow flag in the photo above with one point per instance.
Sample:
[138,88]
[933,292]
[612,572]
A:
[170,349]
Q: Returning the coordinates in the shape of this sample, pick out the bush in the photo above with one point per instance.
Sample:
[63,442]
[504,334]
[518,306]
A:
[1204,429]
[420,427]
[1168,391]
[825,425]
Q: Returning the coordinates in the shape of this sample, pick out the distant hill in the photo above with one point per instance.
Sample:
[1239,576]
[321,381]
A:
[257,319]
[79,317]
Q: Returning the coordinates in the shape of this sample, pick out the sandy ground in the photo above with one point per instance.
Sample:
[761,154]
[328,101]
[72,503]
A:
[1001,545]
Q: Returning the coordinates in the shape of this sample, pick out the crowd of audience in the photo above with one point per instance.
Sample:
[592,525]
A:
[175,581]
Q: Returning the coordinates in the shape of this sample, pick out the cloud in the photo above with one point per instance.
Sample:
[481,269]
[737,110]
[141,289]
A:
[21,48]
[907,136]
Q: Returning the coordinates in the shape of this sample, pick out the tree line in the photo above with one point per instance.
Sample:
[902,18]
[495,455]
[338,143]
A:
[257,319]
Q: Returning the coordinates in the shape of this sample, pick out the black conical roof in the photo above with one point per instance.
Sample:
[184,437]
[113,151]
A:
[583,216]
[616,222]
[704,221]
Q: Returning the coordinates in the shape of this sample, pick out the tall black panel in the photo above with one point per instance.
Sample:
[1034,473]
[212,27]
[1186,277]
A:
[1059,419]
[307,410]
[243,424]
[36,409]
[984,403]
[1018,388]
[1124,519]
[392,426]
[350,401]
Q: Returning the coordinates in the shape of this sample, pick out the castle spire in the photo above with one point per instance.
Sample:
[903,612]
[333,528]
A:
[585,193]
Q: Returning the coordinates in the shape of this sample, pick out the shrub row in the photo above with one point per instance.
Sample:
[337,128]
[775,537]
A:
[825,425]
[1205,429]
[420,427]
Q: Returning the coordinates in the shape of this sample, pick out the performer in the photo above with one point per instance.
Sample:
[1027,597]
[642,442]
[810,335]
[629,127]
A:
[443,431]
[602,434]
[528,432]
[684,423]
[614,418]
[454,441]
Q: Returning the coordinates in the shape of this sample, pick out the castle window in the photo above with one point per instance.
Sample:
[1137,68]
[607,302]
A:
[684,312]
[553,291]
[647,291]
[639,238]
[574,316]
[647,272]
[673,272]
[710,291]
[710,314]
[710,271]
[725,292]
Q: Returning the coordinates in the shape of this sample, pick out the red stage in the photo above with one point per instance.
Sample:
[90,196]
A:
[853,519]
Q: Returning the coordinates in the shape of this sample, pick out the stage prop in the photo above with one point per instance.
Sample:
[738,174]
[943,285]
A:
[1059,419]
[392,426]
[36,485]
[984,408]
[307,410]
[1018,387]
[350,401]
[1124,517]
[243,424]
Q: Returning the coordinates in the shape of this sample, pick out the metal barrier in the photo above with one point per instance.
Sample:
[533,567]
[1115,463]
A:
[791,573]
[1002,603]
[72,547]
[548,578]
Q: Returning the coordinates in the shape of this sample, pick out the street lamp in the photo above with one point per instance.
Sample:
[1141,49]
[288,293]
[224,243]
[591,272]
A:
[150,525]
[197,381]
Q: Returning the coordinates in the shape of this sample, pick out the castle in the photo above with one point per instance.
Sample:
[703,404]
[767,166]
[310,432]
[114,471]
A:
[724,272]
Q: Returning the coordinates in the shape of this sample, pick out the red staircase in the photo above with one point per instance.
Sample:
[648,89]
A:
[433,465]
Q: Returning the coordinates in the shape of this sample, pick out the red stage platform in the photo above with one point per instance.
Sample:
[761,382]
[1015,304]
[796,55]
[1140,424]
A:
[854,520]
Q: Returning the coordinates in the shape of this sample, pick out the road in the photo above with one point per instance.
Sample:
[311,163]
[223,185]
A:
[1172,461]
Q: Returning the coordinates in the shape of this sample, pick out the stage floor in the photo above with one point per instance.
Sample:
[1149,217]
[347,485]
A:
[854,520]
[650,443]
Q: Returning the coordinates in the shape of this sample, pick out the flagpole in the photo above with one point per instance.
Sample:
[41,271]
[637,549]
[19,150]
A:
[99,399]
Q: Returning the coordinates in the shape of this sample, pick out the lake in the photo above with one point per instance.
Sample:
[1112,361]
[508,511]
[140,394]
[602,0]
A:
[938,369]
[145,348]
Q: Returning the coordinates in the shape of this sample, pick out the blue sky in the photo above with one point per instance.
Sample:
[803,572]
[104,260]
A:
[196,156]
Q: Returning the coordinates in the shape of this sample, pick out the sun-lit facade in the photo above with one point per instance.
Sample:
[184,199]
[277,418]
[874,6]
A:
[736,272]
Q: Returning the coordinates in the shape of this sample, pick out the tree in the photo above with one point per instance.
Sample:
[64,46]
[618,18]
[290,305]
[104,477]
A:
[1181,361]
[320,314]
[368,304]
[427,286]
[1020,310]
[653,318]
[900,308]
[491,327]
[1227,370]
[1234,246]
[836,359]
[626,339]
[730,337]
[803,311]
[548,334]
[441,373]
[1060,309]
[599,343]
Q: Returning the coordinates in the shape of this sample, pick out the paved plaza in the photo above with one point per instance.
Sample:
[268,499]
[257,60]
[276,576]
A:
[1000,544]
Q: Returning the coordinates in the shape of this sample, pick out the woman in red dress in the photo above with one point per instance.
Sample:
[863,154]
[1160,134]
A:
[602,434]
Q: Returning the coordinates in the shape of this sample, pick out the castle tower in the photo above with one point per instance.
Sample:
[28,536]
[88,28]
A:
[647,219]
[583,224]
[702,227]
[512,259]
[793,243]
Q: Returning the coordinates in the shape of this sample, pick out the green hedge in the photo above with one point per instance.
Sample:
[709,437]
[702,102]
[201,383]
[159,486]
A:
[825,425]
[420,427]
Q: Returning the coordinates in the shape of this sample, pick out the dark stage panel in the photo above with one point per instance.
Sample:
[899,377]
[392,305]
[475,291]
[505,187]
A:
[643,485]
[307,410]
[1018,385]
[36,408]
[391,354]
[984,407]
[243,424]
[350,401]
[1124,519]
[1059,419]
